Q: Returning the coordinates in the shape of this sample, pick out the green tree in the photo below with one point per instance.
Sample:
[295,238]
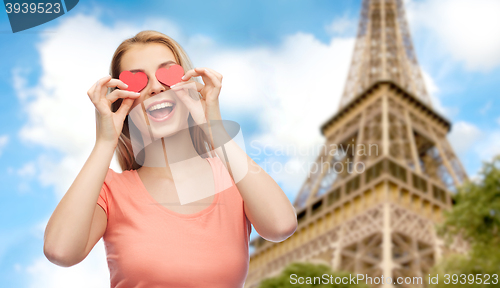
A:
[476,218]
[308,271]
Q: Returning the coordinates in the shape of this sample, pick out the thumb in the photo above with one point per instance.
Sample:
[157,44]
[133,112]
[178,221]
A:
[124,108]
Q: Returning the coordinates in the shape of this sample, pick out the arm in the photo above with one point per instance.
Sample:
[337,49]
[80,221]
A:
[77,223]
[68,230]
[266,205]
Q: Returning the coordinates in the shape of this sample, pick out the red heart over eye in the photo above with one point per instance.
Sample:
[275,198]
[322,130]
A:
[136,82]
[170,76]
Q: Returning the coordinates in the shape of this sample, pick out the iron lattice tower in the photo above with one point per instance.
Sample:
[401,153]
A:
[377,215]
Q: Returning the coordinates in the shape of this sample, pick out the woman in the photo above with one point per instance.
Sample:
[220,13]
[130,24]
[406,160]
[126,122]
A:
[151,239]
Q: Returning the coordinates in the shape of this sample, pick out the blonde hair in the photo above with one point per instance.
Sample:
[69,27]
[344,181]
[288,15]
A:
[124,150]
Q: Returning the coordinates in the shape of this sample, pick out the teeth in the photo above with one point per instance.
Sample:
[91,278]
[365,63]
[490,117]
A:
[160,106]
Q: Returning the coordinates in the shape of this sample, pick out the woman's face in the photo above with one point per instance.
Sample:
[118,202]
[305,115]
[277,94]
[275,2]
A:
[165,113]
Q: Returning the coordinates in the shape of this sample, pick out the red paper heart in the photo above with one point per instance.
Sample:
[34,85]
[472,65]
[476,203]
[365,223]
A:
[136,82]
[170,76]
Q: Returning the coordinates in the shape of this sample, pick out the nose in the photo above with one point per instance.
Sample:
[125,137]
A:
[156,87]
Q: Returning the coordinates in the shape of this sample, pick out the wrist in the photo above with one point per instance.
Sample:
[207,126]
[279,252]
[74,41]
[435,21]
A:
[106,145]
[217,129]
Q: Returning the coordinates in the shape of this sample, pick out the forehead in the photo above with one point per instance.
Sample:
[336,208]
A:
[146,56]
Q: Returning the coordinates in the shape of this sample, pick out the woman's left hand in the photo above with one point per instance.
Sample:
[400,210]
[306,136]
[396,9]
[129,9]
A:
[209,108]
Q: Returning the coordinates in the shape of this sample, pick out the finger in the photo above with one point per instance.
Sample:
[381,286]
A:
[216,81]
[188,75]
[191,85]
[117,83]
[117,94]
[217,74]
[196,72]
[188,85]
[98,93]
[112,83]
[124,108]
[105,79]
[208,77]
[212,94]
[92,90]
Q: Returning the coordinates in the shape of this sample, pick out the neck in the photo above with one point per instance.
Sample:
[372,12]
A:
[165,151]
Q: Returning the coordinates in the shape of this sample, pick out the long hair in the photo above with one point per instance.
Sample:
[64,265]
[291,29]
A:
[124,150]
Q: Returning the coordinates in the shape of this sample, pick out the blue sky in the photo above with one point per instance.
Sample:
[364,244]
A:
[271,54]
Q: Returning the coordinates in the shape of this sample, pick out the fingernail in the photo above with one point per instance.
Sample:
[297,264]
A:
[137,93]
[172,86]
[183,77]
[206,71]
[126,86]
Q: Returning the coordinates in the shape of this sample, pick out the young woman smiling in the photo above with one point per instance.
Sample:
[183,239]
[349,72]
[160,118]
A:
[152,240]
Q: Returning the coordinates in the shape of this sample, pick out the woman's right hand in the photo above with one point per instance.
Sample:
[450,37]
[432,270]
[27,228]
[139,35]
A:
[110,124]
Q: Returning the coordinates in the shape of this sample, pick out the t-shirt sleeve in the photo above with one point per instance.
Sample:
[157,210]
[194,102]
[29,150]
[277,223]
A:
[103,196]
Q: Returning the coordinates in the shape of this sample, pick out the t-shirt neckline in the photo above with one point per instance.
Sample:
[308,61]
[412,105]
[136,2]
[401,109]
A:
[176,214]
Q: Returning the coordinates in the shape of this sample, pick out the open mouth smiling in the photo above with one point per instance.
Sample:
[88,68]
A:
[160,110]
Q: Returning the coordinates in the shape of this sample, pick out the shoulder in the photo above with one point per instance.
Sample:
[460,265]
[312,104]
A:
[218,166]
[124,178]
[221,174]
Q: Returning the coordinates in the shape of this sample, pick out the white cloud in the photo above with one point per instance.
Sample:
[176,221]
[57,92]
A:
[486,107]
[488,147]
[342,26]
[26,174]
[433,91]
[464,136]
[91,272]
[28,170]
[9,238]
[4,140]
[434,94]
[463,28]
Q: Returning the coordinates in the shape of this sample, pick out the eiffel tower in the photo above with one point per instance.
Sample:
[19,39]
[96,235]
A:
[387,171]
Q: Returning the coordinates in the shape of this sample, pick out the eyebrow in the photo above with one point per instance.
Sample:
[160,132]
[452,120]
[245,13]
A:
[159,66]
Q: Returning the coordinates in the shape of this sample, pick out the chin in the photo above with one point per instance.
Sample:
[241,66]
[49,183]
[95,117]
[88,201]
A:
[166,131]
[170,124]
